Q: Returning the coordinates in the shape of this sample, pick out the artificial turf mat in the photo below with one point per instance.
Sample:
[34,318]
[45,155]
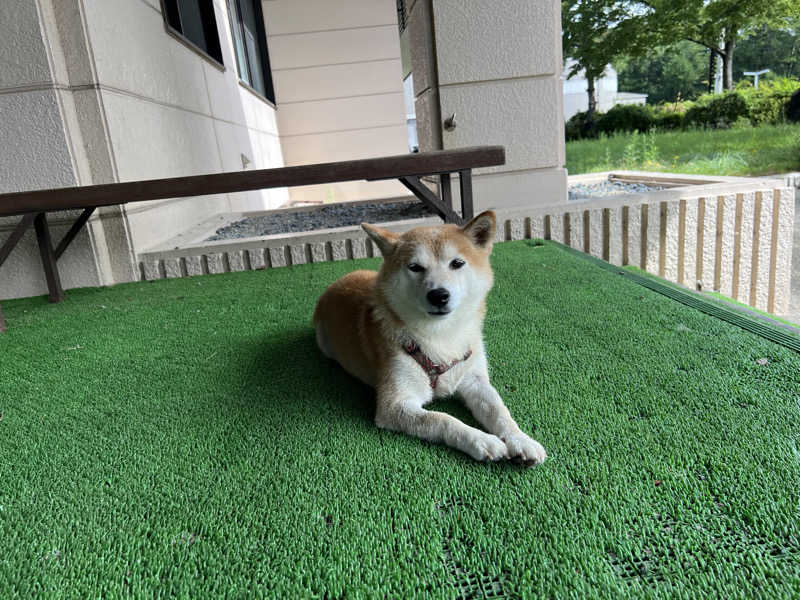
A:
[185,438]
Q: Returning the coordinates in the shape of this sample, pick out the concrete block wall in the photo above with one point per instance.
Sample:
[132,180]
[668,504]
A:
[339,88]
[737,243]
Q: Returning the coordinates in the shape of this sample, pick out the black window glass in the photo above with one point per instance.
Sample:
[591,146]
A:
[250,44]
[195,21]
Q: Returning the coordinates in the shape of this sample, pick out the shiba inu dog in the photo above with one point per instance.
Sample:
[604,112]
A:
[413,331]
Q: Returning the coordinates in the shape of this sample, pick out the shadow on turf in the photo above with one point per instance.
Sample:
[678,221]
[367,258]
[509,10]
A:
[287,373]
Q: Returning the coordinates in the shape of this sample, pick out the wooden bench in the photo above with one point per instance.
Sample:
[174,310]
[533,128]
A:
[409,169]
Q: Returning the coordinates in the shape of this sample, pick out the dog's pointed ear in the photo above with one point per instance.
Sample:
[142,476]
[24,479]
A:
[385,240]
[480,230]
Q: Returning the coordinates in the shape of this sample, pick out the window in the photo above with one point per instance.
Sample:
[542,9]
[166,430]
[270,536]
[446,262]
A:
[411,113]
[194,21]
[402,15]
[250,44]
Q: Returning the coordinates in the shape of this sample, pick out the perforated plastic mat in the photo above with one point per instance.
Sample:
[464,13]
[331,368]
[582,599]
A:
[185,438]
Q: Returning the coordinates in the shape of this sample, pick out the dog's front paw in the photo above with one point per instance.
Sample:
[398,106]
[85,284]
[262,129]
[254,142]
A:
[487,447]
[522,449]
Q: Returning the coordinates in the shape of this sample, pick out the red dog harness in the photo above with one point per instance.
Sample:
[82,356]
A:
[432,370]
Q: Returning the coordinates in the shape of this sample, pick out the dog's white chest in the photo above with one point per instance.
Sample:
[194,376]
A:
[438,375]
[447,382]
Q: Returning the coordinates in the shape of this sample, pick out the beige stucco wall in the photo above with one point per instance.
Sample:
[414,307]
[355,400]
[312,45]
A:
[97,91]
[339,88]
[171,112]
[37,146]
[497,66]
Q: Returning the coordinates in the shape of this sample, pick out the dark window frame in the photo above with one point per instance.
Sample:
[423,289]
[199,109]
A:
[237,28]
[171,12]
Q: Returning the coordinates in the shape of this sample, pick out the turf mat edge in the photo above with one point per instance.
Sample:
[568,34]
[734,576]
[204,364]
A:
[771,332]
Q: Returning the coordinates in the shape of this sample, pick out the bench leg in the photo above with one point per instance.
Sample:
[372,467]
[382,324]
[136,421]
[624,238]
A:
[48,258]
[73,232]
[414,183]
[465,184]
[15,237]
[9,245]
[445,191]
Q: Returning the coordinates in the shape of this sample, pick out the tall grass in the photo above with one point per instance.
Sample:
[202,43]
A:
[738,151]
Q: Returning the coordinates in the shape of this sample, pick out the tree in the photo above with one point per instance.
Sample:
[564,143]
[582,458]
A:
[776,50]
[665,73]
[716,24]
[595,33]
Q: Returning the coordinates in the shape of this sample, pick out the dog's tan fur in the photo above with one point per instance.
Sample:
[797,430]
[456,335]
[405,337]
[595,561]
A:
[364,319]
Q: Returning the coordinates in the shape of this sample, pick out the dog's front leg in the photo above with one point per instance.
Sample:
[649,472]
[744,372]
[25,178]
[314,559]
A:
[488,408]
[403,412]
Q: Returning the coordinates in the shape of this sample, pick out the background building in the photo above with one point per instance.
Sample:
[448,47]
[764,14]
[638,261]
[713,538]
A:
[576,98]
[99,91]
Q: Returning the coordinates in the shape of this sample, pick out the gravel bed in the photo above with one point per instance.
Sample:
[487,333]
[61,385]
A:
[585,191]
[324,217]
[343,215]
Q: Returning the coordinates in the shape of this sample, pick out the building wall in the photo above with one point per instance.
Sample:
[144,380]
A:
[339,88]
[97,91]
[36,147]
[171,112]
[497,67]
[576,98]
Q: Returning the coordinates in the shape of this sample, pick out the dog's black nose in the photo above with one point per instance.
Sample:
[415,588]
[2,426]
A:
[438,297]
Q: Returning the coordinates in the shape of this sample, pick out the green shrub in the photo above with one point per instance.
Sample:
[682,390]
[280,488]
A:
[578,127]
[769,102]
[625,117]
[725,109]
[681,106]
[665,120]
[717,110]
[697,116]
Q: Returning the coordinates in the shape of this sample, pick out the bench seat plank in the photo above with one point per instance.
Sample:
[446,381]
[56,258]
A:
[389,167]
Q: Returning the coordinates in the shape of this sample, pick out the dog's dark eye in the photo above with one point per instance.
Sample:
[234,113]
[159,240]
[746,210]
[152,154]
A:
[416,268]
[457,263]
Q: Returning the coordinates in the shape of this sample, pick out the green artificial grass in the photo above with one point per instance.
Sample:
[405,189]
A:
[185,438]
[713,298]
[741,151]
